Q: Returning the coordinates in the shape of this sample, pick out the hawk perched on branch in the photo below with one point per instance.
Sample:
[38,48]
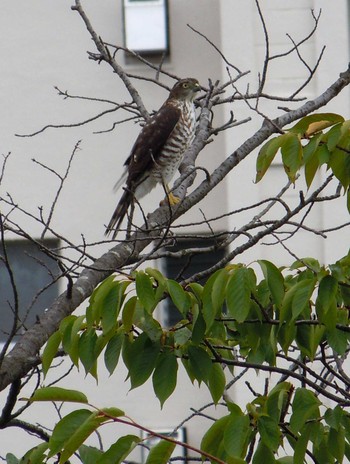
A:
[158,150]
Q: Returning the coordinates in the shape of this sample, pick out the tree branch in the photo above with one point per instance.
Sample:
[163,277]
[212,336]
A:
[24,355]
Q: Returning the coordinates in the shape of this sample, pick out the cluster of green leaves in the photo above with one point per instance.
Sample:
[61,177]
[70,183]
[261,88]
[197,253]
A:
[72,431]
[308,145]
[303,306]
[230,437]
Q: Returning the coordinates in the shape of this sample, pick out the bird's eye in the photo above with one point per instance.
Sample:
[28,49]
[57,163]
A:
[185,85]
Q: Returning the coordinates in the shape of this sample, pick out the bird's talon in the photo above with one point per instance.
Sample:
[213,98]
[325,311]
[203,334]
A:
[171,199]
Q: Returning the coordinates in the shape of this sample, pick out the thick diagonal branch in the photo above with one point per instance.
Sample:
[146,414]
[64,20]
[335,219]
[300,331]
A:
[24,355]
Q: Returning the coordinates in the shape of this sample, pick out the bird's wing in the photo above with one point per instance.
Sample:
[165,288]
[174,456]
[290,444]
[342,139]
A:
[121,180]
[150,142]
[144,153]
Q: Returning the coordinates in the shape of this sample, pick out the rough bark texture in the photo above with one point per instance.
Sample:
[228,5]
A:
[25,354]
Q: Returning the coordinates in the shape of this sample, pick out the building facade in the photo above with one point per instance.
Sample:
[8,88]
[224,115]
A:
[43,49]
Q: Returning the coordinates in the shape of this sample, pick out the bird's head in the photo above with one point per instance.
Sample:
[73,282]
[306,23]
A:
[185,89]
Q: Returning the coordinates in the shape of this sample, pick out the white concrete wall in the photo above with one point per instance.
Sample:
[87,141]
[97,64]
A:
[243,45]
[44,45]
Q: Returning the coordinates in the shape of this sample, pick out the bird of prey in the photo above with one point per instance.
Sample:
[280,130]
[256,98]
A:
[158,150]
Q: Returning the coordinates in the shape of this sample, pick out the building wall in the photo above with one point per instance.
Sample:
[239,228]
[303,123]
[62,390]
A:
[44,44]
[243,45]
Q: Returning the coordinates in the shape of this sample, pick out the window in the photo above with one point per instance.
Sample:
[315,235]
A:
[146,26]
[32,270]
[186,266]
[180,434]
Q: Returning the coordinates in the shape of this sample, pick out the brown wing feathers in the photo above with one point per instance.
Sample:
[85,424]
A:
[144,153]
[151,140]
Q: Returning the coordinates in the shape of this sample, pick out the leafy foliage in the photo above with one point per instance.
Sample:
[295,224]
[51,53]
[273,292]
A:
[233,318]
[308,145]
[242,316]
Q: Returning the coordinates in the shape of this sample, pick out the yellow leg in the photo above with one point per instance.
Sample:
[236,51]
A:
[171,198]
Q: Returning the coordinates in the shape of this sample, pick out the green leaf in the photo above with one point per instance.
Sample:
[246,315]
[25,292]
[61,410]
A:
[112,411]
[80,434]
[110,306]
[117,453]
[327,292]
[292,154]
[302,294]
[310,148]
[75,332]
[58,394]
[266,155]
[238,294]
[112,352]
[333,136]
[305,406]
[285,460]
[217,382]
[37,455]
[315,122]
[179,297]
[89,454]
[326,303]
[301,444]
[338,340]
[277,400]
[11,459]
[142,358]
[212,441]
[161,452]
[207,302]
[65,428]
[87,355]
[218,289]
[197,290]
[263,454]
[334,417]
[182,336]
[128,313]
[200,362]
[50,351]
[93,312]
[323,154]
[148,324]
[65,329]
[308,338]
[73,430]
[198,331]
[286,334]
[164,376]
[336,443]
[145,291]
[236,435]
[270,432]
[307,262]
[339,163]
[157,275]
[274,280]
[311,159]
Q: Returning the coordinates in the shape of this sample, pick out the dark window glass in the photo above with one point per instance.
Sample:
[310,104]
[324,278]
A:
[175,268]
[33,271]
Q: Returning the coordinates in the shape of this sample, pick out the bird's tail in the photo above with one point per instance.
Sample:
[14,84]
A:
[119,213]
